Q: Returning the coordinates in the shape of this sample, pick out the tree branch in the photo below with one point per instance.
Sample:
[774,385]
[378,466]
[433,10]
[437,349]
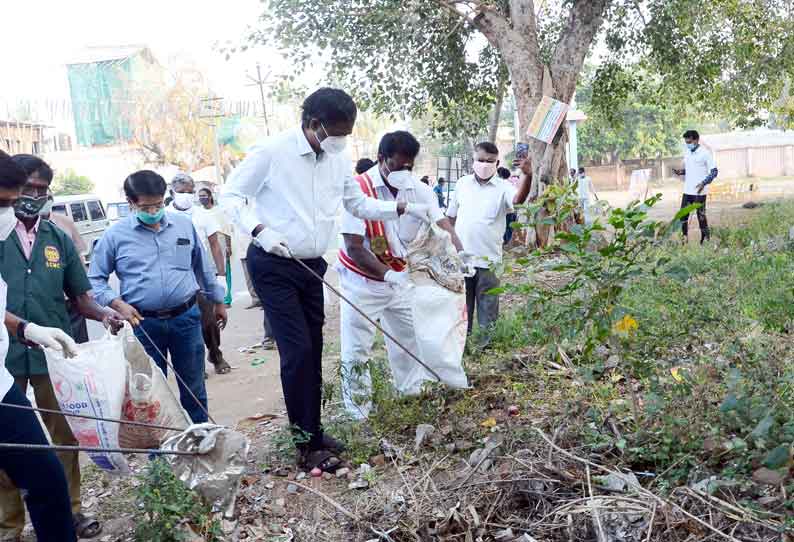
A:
[522,15]
[584,21]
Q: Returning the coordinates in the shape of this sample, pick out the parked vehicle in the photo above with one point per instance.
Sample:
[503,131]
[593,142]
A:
[118,210]
[88,214]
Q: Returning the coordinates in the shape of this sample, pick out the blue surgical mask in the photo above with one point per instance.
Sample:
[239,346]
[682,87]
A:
[691,146]
[149,218]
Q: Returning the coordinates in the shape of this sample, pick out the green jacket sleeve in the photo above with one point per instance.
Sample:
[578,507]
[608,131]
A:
[75,279]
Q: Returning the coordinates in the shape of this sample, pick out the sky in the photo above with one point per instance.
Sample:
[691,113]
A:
[40,36]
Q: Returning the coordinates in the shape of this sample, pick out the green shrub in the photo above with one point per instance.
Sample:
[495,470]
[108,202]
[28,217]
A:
[167,507]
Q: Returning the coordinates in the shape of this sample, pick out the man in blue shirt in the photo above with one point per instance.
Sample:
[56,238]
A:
[161,265]
[439,191]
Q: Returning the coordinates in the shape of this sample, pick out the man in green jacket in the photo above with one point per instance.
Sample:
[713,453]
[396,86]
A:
[40,264]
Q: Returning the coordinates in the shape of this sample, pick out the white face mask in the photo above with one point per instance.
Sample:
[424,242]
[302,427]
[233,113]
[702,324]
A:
[8,221]
[183,201]
[399,179]
[485,170]
[332,144]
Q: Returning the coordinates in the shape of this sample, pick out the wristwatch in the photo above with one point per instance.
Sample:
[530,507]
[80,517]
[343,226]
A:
[21,330]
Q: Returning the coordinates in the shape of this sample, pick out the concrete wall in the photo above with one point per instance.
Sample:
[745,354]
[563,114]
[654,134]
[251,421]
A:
[750,162]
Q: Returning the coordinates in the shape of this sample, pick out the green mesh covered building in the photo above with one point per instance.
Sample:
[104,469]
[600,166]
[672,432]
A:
[101,81]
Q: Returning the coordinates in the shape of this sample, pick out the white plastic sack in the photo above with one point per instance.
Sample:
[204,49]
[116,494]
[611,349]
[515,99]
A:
[148,399]
[93,383]
[114,377]
[440,324]
[438,304]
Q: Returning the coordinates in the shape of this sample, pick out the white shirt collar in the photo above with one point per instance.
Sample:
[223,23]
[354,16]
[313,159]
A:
[492,180]
[301,143]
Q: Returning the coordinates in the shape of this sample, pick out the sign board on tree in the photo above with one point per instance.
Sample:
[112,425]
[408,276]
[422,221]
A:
[547,119]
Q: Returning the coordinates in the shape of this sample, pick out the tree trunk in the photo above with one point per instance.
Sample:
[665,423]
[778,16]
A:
[496,114]
[516,39]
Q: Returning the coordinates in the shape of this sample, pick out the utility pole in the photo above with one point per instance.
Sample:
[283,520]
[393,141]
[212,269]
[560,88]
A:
[261,82]
[212,108]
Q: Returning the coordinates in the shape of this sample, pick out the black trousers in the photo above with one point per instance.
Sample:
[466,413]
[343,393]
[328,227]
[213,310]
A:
[293,302]
[39,473]
[688,200]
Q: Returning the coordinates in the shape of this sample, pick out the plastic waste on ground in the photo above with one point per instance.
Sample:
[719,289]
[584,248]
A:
[216,472]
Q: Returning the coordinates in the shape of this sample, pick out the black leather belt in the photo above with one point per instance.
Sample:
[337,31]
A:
[173,312]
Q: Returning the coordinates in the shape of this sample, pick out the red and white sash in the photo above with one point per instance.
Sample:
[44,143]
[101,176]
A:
[375,230]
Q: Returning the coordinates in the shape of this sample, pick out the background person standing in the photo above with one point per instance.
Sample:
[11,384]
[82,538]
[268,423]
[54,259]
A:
[479,210]
[207,203]
[699,171]
[209,231]
[297,180]
[585,189]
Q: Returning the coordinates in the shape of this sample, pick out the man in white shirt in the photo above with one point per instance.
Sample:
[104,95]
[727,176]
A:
[585,189]
[699,171]
[296,180]
[183,191]
[372,273]
[478,211]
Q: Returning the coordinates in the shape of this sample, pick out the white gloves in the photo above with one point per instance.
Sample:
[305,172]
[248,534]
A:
[273,242]
[397,278]
[221,280]
[51,337]
[418,210]
[467,259]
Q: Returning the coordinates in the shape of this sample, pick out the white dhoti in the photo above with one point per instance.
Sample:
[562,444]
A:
[392,308]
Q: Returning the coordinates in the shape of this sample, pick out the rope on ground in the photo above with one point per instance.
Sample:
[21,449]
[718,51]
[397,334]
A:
[370,320]
[89,417]
[55,448]
[176,374]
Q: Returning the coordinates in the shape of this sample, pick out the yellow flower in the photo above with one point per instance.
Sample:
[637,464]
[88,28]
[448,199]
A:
[625,326]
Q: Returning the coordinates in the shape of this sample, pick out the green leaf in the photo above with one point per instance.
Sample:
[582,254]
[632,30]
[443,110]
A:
[686,211]
[762,429]
[496,291]
[777,458]
[729,403]
[678,272]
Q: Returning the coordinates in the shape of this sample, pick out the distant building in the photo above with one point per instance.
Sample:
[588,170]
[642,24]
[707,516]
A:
[17,137]
[101,84]
[752,153]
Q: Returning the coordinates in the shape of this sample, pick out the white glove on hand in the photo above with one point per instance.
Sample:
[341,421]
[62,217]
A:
[467,259]
[418,210]
[51,337]
[273,242]
[397,278]
[221,280]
